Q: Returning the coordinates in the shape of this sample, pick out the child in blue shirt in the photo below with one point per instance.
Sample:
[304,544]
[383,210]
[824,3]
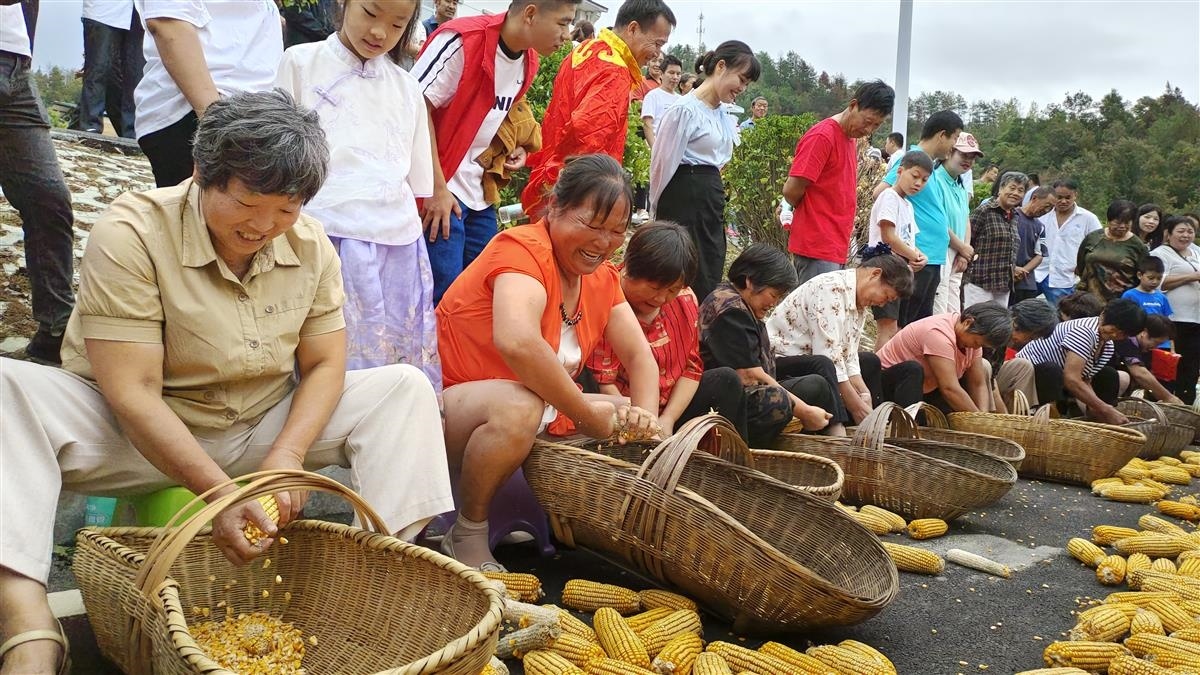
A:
[1153,301]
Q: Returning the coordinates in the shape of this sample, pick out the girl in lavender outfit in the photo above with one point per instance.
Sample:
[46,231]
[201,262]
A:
[374,117]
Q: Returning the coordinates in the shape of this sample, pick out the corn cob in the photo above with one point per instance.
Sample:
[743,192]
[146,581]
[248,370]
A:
[1146,622]
[1187,555]
[895,520]
[866,650]
[577,650]
[845,661]
[913,559]
[1085,551]
[802,664]
[1132,665]
[1111,570]
[1188,635]
[1194,500]
[589,596]
[1164,565]
[1172,615]
[1161,488]
[527,587]
[679,655]
[1100,624]
[495,667]
[846,507]
[1167,652]
[740,658]
[539,662]
[521,642]
[618,639]
[640,622]
[1169,460]
[1171,474]
[1129,473]
[656,637]
[1190,606]
[1190,568]
[1139,598]
[616,667]
[250,531]
[1186,588]
[1135,562]
[977,562]
[1105,535]
[1101,483]
[1089,656]
[525,615]
[709,663]
[571,624]
[1152,523]
[1127,608]
[873,522]
[1155,545]
[654,598]
[927,528]
[1054,671]
[1179,510]
[1192,469]
[1132,494]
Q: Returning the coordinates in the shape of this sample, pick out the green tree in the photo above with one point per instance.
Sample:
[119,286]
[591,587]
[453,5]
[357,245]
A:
[754,178]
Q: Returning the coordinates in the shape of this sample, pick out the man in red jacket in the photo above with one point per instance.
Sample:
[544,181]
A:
[472,70]
[589,107]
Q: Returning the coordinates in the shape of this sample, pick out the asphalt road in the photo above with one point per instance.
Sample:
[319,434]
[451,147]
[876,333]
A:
[959,622]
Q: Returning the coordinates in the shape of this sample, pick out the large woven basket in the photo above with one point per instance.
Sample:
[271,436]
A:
[1163,437]
[937,428]
[762,554]
[1185,415]
[1065,451]
[374,603]
[818,476]
[940,480]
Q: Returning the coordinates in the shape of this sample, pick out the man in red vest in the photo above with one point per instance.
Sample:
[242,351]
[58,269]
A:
[589,108]
[472,70]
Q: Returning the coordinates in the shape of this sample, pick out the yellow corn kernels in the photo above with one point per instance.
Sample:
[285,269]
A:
[654,598]
[577,650]
[541,662]
[252,640]
[1152,523]
[1137,561]
[913,559]
[618,639]
[1156,545]
[1146,622]
[679,655]
[802,663]
[1179,510]
[895,520]
[1111,570]
[525,587]
[589,596]
[741,658]
[1173,616]
[845,661]
[709,663]
[1105,535]
[640,622]
[869,652]
[656,637]
[1167,652]
[616,667]
[1103,623]
[1089,656]
[873,522]
[1085,551]
[1132,494]
[1132,665]
[927,528]
[1171,474]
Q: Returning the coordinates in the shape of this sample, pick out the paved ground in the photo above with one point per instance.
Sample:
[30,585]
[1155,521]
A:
[959,622]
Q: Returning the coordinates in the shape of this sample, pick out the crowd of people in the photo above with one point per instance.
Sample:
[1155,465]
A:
[319,279]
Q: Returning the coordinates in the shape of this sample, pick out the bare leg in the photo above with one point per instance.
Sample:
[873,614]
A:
[24,607]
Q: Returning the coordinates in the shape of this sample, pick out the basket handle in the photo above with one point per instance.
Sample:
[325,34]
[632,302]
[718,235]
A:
[934,417]
[874,427]
[665,464]
[1156,409]
[1020,403]
[175,537]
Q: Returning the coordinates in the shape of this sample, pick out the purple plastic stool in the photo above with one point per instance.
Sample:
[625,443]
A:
[513,509]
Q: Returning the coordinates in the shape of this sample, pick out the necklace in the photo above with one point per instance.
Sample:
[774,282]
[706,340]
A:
[571,321]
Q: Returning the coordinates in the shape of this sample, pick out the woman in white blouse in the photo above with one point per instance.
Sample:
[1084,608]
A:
[694,139]
[1181,283]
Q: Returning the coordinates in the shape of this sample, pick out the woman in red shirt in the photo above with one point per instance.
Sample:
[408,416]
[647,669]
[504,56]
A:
[514,330]
[660,263]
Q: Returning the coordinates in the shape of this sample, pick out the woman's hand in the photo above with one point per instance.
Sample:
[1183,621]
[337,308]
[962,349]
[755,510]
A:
[228,535]
[636,424]
[599,421]
[290,503]
[812,417]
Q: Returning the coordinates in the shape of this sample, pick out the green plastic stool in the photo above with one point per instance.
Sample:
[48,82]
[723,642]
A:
[158,508]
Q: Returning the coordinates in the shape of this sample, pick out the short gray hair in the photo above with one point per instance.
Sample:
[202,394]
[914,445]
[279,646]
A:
[1014,177]
[1034,316]
[264,139]
[992,321]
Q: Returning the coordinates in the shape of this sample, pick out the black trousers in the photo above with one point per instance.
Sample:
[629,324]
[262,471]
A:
[789,367]
[1048,378]
[901,384]
[720,390]
[170,151]
[1187,344]
[695,198]
[920,304]
[1020,294]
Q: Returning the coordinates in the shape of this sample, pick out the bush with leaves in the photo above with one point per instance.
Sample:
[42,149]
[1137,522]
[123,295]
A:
[754,178]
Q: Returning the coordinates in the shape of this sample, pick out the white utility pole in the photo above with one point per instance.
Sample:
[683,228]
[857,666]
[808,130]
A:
[903,57]
[700,37]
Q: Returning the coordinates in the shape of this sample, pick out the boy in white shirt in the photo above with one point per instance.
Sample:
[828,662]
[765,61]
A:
[893,223]
[660,98]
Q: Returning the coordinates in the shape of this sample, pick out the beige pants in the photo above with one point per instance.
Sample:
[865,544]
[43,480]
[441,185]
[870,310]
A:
[1016,375]
[947,300]
[973,295]
[57,432]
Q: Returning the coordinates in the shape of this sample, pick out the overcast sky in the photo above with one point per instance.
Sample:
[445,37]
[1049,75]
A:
[1035,50]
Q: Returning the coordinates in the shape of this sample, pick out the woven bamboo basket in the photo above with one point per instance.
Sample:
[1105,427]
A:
[762,554]
[367,597]
[818,476]
[1163,437]
[1184,415]
[940,480]
[1065,451]
[937,428]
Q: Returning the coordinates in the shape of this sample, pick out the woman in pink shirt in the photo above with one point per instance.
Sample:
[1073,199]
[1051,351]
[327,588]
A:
[949,348]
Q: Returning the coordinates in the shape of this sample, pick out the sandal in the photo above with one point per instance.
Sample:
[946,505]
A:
[447,547]
[58,636]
